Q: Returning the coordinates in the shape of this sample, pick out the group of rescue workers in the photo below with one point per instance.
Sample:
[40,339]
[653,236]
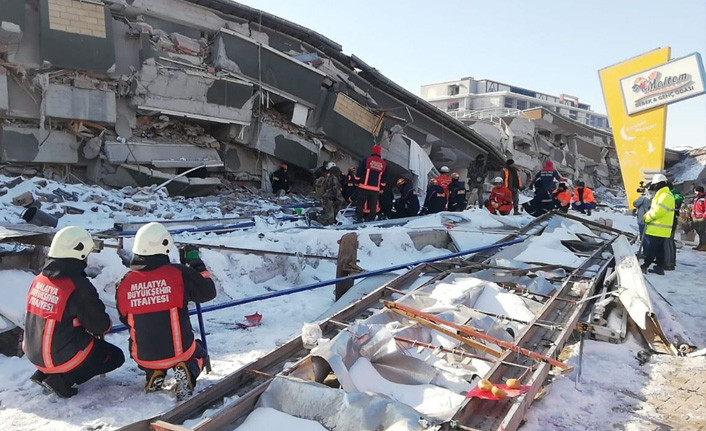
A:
[366,187]
[66,320]
[658,209]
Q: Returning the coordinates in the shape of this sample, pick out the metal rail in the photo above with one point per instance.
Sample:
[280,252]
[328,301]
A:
[248,385]
[563,307]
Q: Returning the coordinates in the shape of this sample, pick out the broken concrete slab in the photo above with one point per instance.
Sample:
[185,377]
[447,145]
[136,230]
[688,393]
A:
[4,91]
[160,155]
[23,200]
[185,44]
[65,101]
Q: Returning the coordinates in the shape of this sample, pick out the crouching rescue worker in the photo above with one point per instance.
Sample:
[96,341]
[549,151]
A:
[65,318]
[152,300]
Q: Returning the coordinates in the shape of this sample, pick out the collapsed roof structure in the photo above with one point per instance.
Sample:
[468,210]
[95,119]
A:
[134,92]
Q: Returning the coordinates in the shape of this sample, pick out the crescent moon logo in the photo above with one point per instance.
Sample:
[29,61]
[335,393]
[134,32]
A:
[625,135]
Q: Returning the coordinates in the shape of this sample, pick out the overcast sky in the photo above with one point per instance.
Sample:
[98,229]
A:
[548,46]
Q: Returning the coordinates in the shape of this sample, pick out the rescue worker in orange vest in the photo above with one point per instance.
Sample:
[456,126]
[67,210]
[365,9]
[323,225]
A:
[66,319]
[562,197]
[584,201]
[500,200]
[444,180]
[513,182]
[371,179]
[152,300]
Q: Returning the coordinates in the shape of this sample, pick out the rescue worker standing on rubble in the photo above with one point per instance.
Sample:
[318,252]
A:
[66,319]
[152,301]
[500,200]
[407,205]
[562,197]
[541,203]
[698,217]
[349,186]
[477,171]
[658,224]
[332,197]
[670,246]
[546,177]
[513,182]
[584,201]
[435,200]
[444,180]
[371,179]
[457,194]
[280,180]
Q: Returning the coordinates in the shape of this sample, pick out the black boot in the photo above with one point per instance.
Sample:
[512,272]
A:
[657,270]
[644,267]
[56,384]
[38,377]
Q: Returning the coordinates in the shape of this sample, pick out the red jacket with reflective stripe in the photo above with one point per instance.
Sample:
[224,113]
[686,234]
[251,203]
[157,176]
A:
[63,310]
[371,173]
[153,303]
[698,209]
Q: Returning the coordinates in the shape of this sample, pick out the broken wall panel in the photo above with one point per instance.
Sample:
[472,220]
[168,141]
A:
[265,66]
[69,24]
[185,93]
[160,155]
[65,101]
[23,101]
[27,51]
[37,146]
[4,92]
[288,146]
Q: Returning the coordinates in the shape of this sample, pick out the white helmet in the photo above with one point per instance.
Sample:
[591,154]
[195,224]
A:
[330,165]
[659,178]
[497,180]
[73,242]
[444,169]
[151,239]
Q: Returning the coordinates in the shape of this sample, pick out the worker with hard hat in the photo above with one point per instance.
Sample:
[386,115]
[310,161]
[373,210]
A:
[500,200]
[435,200]
[370,176]
[65,319]
[457,194]
[444,180]
[562,196]
[658,224]
[152,300]
[407,205]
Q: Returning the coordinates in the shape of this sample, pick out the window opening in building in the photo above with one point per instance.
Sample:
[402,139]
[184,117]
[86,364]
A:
[453,90]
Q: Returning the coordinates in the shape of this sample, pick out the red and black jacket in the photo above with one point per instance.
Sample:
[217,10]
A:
[371,173]
[153,302]
[64,312]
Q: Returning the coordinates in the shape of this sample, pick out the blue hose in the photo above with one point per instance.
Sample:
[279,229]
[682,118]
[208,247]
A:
[228,304]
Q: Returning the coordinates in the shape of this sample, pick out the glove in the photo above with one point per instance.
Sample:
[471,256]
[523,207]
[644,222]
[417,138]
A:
[189,256]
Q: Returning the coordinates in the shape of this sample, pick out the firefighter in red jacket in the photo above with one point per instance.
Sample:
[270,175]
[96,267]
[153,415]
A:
[371,180]
[500,198]
[65,318]
[152,300]
[444,180]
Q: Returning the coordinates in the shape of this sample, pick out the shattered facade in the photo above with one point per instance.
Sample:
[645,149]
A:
[132,92]
[532,127]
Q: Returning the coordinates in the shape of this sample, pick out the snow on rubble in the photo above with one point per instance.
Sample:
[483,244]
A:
[612,381]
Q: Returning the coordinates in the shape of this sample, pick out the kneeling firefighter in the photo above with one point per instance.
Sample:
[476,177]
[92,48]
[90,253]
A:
[152,300]
[66,319]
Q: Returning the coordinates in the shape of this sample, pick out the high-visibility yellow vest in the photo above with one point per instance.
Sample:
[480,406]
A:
[660,217]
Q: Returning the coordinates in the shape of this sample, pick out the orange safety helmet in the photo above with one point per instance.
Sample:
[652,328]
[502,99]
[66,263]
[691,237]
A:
[400,182]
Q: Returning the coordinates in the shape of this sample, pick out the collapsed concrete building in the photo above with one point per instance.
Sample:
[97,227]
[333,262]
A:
[136,92]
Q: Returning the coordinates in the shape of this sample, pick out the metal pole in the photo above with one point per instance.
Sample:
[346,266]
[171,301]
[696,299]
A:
[317,285]
[202,329]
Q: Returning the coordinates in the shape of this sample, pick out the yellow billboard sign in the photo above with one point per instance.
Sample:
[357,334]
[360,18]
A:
[639,138]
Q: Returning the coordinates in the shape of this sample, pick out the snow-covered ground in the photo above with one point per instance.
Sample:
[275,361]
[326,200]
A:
[118,398]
